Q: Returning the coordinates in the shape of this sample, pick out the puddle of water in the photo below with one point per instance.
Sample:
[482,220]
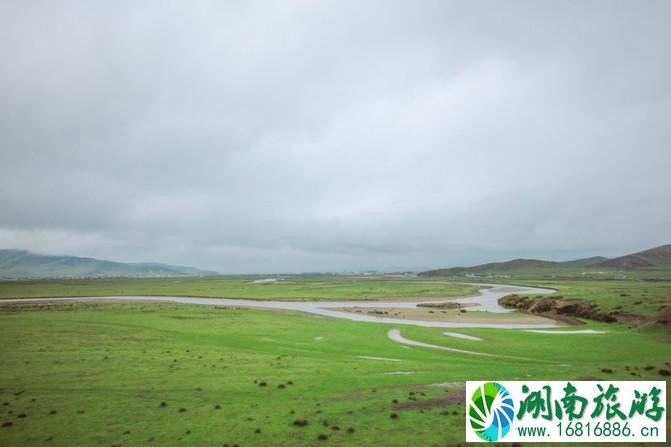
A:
[464,336]
[396,336]
[368,357]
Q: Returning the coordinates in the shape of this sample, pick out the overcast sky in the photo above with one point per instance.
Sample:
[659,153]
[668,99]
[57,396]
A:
[287,135]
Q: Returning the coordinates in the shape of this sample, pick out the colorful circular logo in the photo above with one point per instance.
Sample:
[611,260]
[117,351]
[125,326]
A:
[491,411]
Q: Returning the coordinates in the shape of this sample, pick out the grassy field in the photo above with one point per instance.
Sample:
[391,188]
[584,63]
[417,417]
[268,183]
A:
[645,298]
[87,374]
[636,297]
[294,288]
[162,374]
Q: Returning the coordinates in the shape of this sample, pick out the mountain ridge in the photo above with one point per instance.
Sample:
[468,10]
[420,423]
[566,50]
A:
[650,258]
[653,258]
[23,264]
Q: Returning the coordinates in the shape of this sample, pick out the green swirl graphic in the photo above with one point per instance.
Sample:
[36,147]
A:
[491,411]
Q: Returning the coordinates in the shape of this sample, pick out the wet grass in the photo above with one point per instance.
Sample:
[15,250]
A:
[160,374]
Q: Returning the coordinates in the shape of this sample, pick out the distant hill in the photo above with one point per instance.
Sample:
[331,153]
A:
[495,267]
[21,264]
[584,262]
[658,258]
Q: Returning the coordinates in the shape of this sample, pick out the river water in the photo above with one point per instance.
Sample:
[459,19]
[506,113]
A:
[486,300]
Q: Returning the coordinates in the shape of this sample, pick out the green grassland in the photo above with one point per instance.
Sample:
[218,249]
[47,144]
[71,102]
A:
[85,374]
[98,374]
[636,297]
[645,298]
[293,288]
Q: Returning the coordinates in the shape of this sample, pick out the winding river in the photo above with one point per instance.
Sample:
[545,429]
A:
[486,300]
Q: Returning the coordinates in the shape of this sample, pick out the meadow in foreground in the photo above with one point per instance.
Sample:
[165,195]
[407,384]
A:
[160,374]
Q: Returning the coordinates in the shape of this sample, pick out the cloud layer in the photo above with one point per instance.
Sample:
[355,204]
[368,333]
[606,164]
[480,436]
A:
[334,135]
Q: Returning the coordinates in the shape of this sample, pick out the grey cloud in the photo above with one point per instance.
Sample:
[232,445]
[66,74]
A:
[298,135]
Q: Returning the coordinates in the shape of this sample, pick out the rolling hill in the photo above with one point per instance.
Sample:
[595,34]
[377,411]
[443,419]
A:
[22,264]
[658,258]
[584,262]
[495,267]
